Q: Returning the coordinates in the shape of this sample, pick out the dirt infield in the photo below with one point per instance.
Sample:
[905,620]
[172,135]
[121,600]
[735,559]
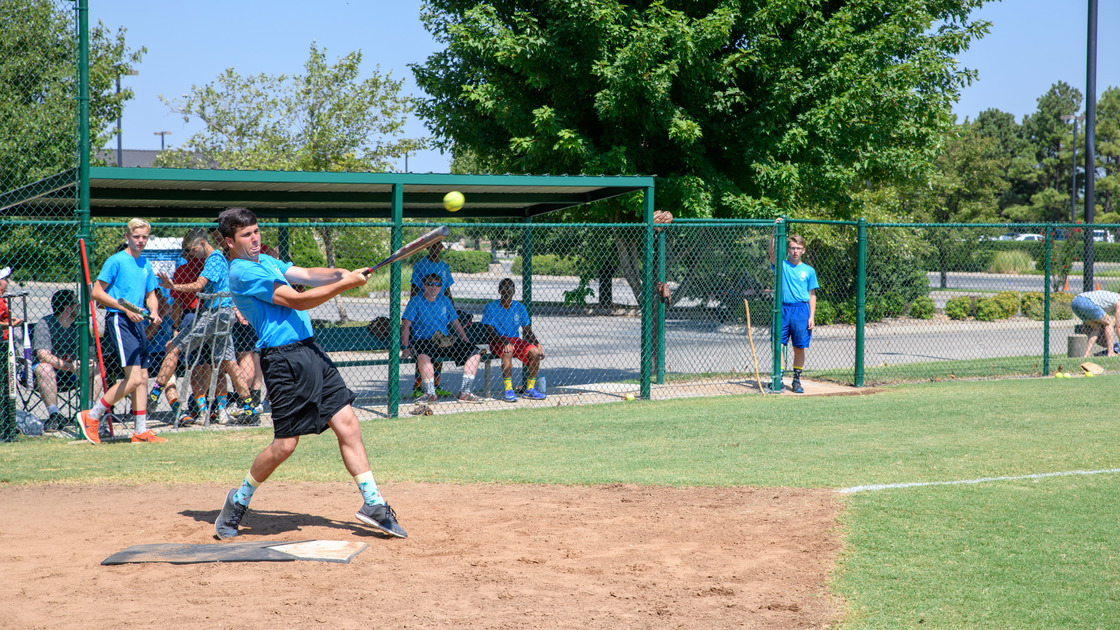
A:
[477,556]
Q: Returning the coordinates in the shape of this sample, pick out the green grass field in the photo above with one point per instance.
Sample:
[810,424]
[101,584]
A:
[1026,553]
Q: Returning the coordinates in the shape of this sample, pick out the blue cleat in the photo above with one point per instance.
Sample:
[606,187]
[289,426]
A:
[510,396]
[533,394]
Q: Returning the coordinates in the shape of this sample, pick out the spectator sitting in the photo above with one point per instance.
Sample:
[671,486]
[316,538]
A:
[55,348]
[504,319]
[430,313]
[432,263]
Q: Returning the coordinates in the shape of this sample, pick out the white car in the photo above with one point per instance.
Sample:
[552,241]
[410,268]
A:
[1030,237]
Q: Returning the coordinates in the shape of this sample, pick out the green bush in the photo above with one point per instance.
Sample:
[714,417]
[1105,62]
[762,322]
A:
[873,309]
[960,307]
[467,261]
[1059,305]
[989,310]
[847,313]
[1016,261]
[553,265]
[894,305]
[825,314]
[1009,301]
[922,308]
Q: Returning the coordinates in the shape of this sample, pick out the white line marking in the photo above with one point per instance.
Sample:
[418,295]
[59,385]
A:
[889,486]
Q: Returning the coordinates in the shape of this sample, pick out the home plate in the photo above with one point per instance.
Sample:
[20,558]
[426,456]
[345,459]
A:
[320,550]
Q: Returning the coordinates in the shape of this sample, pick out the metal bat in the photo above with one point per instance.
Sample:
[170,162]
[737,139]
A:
[423,242]
[129,306]
[28,377]
[11,359]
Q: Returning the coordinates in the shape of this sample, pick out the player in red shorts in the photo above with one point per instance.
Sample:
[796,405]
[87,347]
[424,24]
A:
[511,337]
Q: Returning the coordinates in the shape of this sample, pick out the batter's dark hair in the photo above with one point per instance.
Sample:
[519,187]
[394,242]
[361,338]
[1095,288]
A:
[233,219]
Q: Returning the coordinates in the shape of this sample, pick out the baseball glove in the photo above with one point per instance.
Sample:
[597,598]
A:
[442,340]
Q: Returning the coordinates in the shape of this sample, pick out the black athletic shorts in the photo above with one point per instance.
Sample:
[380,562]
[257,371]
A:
[244,337]
[458,352]
[305,389]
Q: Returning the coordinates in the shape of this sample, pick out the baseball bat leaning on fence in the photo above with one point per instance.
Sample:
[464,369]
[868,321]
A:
[28,377]
[11,362]
[423,242]
[754,357]
[93,326]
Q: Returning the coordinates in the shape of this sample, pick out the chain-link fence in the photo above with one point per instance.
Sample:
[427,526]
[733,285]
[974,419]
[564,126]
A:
[936,302]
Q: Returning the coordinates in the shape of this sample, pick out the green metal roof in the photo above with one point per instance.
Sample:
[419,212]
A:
[190,193]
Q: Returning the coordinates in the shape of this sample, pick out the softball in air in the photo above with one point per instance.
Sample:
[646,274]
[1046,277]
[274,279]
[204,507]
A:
[453,201]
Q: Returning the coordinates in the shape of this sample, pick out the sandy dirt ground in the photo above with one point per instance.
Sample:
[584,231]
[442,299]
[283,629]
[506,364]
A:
[477,556]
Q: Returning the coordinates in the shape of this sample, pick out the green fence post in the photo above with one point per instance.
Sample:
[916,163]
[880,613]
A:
[660,337]
[861,297]
[647,292]
[85,229]
[776,315]
[396,239]
[527,267]
[1046,306]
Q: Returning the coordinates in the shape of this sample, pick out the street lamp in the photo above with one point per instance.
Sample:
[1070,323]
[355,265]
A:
[1073,186]
[162,136]
[120,152]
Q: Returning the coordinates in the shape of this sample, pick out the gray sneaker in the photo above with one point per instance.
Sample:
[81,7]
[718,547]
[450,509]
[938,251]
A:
[470,397]
[381,517]
[230,517]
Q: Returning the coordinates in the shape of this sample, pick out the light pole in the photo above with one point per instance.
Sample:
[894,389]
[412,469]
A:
[1073,186]
[120,152]
[162,136]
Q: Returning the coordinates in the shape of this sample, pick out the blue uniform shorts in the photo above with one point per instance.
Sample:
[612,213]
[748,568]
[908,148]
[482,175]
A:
[126,344]
[795,324]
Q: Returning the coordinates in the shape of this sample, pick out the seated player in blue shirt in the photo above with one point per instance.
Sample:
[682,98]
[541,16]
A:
[425,321]
[305,390]
[505,319]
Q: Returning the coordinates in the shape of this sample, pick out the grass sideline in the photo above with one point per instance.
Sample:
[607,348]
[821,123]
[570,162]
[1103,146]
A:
[1009,554]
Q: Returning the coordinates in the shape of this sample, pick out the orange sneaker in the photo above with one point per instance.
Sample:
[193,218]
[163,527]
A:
[147,436]
[89,427]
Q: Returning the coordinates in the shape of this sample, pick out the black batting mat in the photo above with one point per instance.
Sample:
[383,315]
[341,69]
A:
[318,550]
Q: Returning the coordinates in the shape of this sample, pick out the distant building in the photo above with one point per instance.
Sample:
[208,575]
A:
[130,158]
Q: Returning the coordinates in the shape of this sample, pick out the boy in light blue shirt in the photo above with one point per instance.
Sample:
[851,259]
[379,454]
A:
[799,304]
[505,319]
[305,390]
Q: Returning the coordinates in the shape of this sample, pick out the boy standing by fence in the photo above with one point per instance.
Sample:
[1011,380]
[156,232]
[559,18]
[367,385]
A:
[799,303]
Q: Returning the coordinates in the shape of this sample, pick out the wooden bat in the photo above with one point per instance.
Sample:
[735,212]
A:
[423,242]
[93,326]
[754,357]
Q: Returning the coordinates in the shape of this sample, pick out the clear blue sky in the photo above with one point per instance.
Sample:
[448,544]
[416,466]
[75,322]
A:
[1032,44]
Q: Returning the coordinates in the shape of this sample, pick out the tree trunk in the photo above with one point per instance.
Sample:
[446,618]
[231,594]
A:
[943,260]
[606,281]
[629,257]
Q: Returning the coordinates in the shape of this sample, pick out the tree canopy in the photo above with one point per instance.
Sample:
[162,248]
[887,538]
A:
[741,108]
[327,119]
[38,88]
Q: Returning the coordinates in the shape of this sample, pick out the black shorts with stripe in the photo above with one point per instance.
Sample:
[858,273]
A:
[126,344]
[305,389]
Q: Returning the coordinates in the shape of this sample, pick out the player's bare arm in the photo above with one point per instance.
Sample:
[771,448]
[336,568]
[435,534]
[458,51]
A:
[190,287]
[153,309]
[314,276]
[459,330]
[284,295]
[812,307]
[406,333]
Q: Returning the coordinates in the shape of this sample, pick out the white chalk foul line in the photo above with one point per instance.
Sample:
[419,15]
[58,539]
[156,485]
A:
[890,486]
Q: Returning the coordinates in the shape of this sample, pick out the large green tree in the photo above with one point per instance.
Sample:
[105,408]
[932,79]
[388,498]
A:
[38,88]
[326,119]
[1107,188]
[741,108]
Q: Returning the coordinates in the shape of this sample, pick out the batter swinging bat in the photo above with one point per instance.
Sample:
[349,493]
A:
[423,242]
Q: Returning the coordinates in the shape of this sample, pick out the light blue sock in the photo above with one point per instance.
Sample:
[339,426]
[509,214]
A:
[368,486]
[245,492]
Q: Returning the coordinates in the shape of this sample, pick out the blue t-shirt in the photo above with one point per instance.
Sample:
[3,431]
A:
[216,272]
[252,284]
[428,318]
[425,267]
[797,282]
[506,322]
[128,278]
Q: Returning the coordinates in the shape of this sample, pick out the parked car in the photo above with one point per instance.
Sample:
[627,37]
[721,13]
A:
[1030,237]
[1010,236]
[1102,235]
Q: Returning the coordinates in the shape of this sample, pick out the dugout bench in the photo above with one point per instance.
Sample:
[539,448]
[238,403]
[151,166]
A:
[358,339]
